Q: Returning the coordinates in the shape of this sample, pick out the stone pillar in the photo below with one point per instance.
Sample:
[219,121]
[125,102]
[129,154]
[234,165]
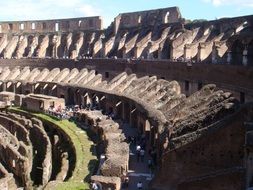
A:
[245,57]
[124,54]
[136,52]
[187,52]
[32,88]
[201,49]
[4,86]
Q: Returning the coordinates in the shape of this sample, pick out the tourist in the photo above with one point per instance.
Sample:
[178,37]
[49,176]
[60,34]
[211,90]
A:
[139,185]
[94,186]
[142,153]
[125,181]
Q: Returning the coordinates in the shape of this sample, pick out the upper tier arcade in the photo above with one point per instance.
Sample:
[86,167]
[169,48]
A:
[56,25]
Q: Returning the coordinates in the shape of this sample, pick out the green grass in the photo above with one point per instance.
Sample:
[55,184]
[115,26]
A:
[86,160]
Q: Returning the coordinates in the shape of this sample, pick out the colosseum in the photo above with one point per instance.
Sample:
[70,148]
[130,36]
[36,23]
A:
[153,100]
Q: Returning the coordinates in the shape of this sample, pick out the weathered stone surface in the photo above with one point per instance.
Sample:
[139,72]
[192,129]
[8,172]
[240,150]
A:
[107,182]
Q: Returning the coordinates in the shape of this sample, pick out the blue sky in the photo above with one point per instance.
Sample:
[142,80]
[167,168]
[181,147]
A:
[108,9]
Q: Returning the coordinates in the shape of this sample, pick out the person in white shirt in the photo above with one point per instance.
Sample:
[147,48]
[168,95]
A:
[139,185]
[94,186]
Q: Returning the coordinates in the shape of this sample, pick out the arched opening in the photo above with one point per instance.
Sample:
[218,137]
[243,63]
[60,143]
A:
[95,102]
[166,18]
[70,100]
[87,102]
[44,25]
[22,26]
[250,53]
[119,109]
[102,103]
[139,19]
[53,91]
[18,88]
[237,52]
[33,26]
[11,26]
[79,23]
[9,87]
[126,112]
[166,50]
[57,27]
[37,88]
[77,98]
[155,54]
[133,117]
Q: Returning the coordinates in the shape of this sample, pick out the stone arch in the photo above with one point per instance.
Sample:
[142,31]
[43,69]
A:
[77,97]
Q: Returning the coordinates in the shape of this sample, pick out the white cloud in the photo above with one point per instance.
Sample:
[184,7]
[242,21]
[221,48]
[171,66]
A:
[246,3]
[46,9]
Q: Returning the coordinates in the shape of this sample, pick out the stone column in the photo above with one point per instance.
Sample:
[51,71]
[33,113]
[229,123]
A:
[187,52]
[4,86]
[32,88]
[124,54]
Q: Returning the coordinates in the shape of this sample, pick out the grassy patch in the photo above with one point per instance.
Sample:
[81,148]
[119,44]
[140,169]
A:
[86,160]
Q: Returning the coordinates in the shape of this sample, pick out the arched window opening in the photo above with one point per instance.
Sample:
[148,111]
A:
[22,26]
[166,18]
[57,27]
[139,19]
[33,26]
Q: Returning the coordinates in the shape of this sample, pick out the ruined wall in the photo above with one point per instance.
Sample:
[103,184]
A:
[217,156]
[196,75]
[233,181]
[152,34]
[45,26]
[148,18]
